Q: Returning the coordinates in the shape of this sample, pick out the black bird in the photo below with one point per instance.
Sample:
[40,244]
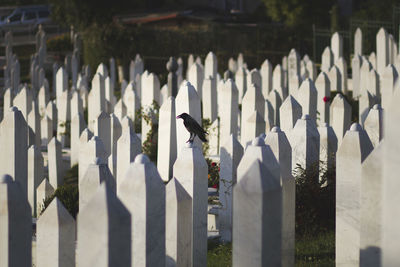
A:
[193,128]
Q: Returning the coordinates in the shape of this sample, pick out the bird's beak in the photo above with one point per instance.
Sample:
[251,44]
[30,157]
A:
[178,117]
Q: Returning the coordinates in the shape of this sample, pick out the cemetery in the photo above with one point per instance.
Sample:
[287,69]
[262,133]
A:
[285,163]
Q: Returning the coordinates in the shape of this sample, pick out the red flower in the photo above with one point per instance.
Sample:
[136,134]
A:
[214,186]
[213,164]
[326,98]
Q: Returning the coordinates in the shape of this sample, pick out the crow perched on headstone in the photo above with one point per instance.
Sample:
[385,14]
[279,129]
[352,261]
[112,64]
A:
[193,127]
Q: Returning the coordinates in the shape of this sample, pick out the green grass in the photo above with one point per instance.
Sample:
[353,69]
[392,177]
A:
[310,251]
[316,250]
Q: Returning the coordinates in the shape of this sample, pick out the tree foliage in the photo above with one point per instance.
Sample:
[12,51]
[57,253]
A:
[297,13]
[82,14]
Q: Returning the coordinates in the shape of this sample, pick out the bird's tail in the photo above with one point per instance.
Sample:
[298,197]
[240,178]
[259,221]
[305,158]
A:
[202,137]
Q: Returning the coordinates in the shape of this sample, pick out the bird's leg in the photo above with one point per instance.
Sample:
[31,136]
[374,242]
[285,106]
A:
[194,135]
[190,138]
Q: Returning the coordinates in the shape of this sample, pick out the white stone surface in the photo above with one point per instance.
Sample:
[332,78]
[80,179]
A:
[304,140]
[252,101]
[241,82]
[335,77]
[196,77]
[35,175]
[382,50]
[337,46]
[388,80]
[96,173]
[323,86]
[190,169]
[307,98]
[77,126]
[43,191]
[13,141]
[116,132]
[131,101]
[327,59]
[90,150]
[293,63]
[266,78]
[365,102]
[228,110]
[353,150]
[374,124]
[290,111]
[230,155]
[128,147]
[15,225]
[187,101]
[340,116]
[166,145]
[55,237]
[327,147]
[63,115]
[102,129]
[210,98]
[56,166]
[279,144]
[178,222]
[142,191]
[104,231]
[150,87]
[391,183]
[371,209]
[96,99]
[257,213]
[358,45]
[342,66]
[356,63]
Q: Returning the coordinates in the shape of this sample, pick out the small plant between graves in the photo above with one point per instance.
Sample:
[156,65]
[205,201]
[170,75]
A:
[315,200]
[67,193]
[150,116]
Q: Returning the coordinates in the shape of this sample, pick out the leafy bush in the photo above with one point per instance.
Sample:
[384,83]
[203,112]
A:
[67,193]
[206,124]
[315,200]
[69,197]
[213,173]
[60,43]
[150,116]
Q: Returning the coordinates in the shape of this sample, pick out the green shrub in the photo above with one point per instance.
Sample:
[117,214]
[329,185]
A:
[67,193]
[213,173]
[60,43]
[150,116]
[206,124]
[69,197]
[219,255]
[315,200]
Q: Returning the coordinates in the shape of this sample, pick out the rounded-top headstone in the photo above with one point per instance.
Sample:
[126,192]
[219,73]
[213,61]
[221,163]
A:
[172,65]
[97,161]
[142,159]
[305,117]
[189,144]
[376,107]
[339,96]
[355,127]
[13,108]
[258,141]
[276,129]
[5,179]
